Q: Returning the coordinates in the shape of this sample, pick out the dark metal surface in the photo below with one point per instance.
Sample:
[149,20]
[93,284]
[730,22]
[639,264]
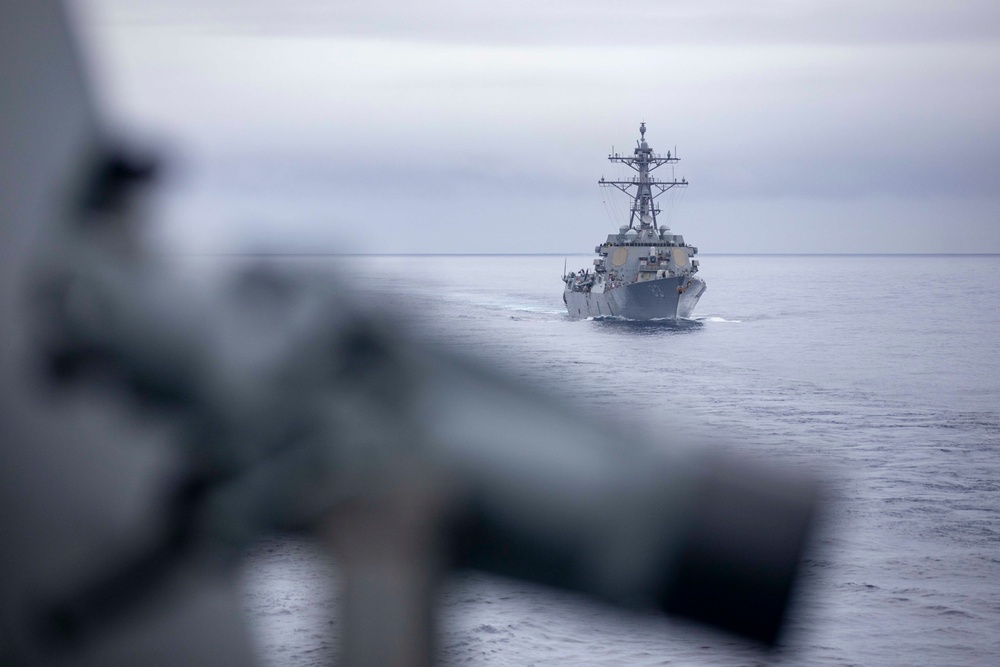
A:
[151,433]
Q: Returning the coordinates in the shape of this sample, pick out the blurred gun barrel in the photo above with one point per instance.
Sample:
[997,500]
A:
[290,403]
[556,498]
[326,404]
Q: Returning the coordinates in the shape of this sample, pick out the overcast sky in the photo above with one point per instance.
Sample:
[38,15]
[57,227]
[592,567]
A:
[459,126]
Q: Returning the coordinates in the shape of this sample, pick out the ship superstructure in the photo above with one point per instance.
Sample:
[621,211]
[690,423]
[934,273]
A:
[644,272]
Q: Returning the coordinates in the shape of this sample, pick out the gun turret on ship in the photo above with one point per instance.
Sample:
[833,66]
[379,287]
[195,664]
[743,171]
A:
[644,272]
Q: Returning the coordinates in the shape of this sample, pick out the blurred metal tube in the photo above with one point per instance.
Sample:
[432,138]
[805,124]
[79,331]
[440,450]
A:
[293,408]
[557,498]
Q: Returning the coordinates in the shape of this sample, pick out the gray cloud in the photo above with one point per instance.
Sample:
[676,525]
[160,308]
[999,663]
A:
[580,22]
[792,119]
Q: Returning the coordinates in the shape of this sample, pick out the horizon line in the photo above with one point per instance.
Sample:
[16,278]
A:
[566,254]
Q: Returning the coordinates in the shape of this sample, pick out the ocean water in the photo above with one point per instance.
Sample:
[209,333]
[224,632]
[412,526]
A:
[879,373]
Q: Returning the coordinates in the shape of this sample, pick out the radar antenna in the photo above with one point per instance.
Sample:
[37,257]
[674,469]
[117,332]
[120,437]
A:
[644,160]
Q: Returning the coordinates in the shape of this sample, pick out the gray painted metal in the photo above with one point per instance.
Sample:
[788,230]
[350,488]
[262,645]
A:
[650,300]
[642,272]
[277,404]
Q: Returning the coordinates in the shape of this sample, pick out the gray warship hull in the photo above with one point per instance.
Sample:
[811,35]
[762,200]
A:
[661,299]
[644,272]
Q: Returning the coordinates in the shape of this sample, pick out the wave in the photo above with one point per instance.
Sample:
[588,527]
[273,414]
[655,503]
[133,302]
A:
[715,318]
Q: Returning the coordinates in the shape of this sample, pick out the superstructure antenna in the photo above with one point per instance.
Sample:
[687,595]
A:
[644,210]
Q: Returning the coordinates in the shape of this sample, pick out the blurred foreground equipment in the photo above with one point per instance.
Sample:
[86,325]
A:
[274,404]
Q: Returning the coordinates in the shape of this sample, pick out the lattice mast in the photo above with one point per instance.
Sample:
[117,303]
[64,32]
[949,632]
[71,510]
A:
[644,161]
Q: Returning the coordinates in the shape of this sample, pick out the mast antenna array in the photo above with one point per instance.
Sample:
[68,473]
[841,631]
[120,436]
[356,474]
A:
[644,160]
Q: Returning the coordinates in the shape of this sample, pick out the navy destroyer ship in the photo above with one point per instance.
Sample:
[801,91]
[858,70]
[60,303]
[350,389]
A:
[644,272]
